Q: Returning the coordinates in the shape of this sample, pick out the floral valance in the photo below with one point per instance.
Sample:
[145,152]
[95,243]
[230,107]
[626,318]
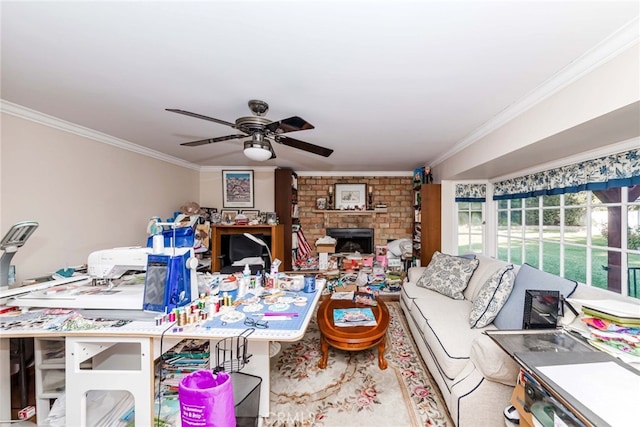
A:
[471,192]
[616,170]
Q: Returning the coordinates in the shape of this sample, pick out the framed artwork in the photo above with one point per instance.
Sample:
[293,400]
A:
[321,203]
[251,214]
[272,218]
[351,196]
[237,189]
[207,214]
[228,216]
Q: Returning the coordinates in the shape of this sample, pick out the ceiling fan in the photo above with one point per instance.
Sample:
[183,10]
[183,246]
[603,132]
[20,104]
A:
[262,131]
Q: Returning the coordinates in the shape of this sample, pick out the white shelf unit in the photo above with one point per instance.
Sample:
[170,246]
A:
[49,372]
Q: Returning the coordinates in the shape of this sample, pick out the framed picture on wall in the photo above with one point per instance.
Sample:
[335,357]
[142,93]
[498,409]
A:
[351,196]
[237,189]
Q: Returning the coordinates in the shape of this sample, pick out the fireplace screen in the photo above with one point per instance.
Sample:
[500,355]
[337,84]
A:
[352,239]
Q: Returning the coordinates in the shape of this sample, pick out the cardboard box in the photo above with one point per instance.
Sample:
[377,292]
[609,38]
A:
[323,261]
[517,400]
[325,248]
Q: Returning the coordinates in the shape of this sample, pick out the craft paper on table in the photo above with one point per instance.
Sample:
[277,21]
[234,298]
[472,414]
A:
[598,387]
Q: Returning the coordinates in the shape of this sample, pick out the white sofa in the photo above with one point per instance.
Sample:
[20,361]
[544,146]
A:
[475,376]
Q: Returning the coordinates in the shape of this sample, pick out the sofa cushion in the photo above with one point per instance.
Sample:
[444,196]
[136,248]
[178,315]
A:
[529,277]
[415,273]
[448,274]
[494,363]
[492,296]
[412,291]
[446,330]
[485,270]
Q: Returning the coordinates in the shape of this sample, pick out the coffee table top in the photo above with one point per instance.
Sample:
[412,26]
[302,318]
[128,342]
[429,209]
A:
[352,334]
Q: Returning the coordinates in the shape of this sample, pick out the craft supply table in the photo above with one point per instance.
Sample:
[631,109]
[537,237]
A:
[122,358]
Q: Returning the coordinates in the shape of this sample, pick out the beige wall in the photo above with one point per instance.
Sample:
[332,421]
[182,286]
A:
[86,195]
[263,187]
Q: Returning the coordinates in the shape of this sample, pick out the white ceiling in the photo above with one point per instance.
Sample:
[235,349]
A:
[388,85]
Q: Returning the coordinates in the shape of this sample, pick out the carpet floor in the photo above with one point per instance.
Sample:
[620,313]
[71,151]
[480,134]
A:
[352,390]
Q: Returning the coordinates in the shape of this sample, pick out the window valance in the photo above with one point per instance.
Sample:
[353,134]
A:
[616,170]
[471,192]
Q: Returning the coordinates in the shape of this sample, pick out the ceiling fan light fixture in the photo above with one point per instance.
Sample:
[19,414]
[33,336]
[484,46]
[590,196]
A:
[257,148]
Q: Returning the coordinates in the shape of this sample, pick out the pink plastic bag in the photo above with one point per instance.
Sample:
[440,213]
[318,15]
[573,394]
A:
[206,400]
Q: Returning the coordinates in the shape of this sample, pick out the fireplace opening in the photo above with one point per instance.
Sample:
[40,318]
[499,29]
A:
[352,239]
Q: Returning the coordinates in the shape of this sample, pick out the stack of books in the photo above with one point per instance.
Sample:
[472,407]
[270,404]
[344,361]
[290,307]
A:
[614,327]
[189,355]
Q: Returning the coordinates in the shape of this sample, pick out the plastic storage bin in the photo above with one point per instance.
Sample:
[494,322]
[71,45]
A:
[184,238]
[231,356]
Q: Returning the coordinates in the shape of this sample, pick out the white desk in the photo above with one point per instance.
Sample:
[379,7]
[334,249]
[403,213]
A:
[123,359]
[584,385]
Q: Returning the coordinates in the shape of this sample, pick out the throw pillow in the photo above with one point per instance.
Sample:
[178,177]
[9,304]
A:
[448,274]
[493,294]
[529,277]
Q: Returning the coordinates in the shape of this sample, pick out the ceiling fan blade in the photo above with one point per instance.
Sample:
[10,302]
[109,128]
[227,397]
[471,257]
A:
[200,116]
[291,124]
[306,146]
[211,140]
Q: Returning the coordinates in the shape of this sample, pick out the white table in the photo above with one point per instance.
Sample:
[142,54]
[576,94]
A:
[123,359]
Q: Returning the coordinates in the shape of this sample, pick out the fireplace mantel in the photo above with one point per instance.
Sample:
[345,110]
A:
[348,212]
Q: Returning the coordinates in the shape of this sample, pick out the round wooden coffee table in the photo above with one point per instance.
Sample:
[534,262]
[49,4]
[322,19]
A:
[353,338]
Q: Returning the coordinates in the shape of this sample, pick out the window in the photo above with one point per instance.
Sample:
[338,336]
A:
[470,227]
[592,236]
[470,202]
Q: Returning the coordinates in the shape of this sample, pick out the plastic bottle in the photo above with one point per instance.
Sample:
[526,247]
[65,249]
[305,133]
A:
[244,282]
[242,287]
[259,279]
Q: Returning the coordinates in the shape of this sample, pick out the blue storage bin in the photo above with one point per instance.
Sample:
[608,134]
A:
[184,236]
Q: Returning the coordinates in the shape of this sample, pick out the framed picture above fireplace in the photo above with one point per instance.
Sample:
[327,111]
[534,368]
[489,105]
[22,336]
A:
[350,196]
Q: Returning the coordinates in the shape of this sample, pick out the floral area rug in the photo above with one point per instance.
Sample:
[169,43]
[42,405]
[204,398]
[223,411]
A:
[352,390]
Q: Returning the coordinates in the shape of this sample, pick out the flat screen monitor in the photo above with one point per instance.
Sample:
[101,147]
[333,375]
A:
[541,309]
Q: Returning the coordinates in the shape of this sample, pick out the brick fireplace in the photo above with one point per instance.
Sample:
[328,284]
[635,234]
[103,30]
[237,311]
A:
[395,192]
[353,239]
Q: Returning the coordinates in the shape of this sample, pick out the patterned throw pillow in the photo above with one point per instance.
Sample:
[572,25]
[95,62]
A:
[493,294]
[448,274]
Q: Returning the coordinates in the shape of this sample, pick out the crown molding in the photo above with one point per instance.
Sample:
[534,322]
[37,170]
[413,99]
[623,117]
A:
[621,40]
[63,125]
[56,123]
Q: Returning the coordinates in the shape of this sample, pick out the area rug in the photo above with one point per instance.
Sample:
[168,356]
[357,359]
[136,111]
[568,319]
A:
[352,390]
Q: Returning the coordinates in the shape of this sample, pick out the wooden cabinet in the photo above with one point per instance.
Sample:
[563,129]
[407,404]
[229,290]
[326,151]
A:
[286,207]
[275,231]
[430,221]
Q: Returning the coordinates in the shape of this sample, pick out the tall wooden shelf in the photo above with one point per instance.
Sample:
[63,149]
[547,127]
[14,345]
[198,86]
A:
[430,221]
[286,207]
